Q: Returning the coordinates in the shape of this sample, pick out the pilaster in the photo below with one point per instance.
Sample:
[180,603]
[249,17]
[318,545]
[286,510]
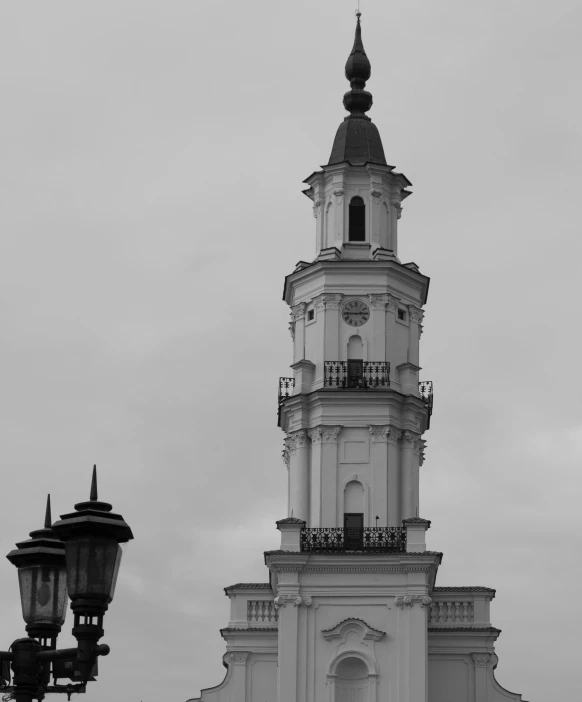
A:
[409,464]
[329,475]
[394,506]
[299,474]
[413,661]
[332,304]
[298,331]
[379,460]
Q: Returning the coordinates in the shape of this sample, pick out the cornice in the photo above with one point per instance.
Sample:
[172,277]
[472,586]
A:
[392,269]
[468,588]
[246,587]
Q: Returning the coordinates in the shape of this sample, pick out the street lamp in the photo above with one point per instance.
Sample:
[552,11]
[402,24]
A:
[84,546]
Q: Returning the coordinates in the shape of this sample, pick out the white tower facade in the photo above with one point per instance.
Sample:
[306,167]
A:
[351,612]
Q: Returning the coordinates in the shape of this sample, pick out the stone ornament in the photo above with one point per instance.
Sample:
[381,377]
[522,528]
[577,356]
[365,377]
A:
[422,447]
[300,438]
[376,194]
[378,302]
[295,600]
[411,439]
[316,435]
[332,302]
[392,302]
[316,206]
[298,311]
[379,434]
[394,436]
[410,600]
[340,631]
[238,657]
[415,314]
[292,330]
[484,660]
[330,434]
[338,195]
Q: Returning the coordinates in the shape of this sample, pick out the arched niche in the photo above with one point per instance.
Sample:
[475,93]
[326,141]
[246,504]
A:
[354,497]
[355,348]
[353,671]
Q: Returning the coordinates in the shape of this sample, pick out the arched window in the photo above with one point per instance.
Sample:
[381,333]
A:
[357,226]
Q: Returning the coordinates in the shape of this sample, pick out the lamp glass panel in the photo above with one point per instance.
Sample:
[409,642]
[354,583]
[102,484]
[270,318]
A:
[43,594]
[92,567]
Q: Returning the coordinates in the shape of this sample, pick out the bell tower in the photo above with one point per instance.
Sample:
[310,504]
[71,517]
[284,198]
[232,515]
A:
[351,611]
[354,411]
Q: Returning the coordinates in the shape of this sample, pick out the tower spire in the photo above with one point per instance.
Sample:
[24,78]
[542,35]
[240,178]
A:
[357,140]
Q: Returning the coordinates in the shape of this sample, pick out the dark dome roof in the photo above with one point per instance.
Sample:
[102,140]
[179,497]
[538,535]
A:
[357,139]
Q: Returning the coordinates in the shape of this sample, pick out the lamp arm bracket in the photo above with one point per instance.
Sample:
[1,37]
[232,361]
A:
[71,653]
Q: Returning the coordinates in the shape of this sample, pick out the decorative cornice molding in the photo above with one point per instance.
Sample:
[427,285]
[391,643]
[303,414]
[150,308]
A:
[298,311]
[295,600]
[484,660]
[410,600]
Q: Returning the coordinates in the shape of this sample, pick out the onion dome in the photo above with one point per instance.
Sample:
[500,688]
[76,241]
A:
[357,139]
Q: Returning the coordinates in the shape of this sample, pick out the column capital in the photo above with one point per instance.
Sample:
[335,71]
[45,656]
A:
[238,657]
[295,600]
[415,314]
[379,433]
[410,600]
[316,435]
[410,439]
[484,660]
[298,311]
[331,434]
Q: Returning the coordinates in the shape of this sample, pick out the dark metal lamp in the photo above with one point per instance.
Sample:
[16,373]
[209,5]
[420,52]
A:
[80,554]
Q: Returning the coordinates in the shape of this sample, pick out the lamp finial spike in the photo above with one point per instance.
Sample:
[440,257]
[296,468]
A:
[93,495]
[47,517]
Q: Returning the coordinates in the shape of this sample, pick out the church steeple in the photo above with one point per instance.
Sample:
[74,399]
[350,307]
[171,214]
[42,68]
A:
[357,140]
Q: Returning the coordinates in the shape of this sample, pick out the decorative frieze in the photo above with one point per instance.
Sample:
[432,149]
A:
[410,600]
[295,600]
[298,311]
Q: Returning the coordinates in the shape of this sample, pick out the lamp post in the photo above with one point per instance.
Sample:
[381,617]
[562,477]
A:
[79,556]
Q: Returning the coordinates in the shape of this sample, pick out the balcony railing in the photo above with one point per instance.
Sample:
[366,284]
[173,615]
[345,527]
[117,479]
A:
[378,539]
[286,386]
[356,374]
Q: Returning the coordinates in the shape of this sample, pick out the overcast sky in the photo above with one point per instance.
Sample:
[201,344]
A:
[152,155]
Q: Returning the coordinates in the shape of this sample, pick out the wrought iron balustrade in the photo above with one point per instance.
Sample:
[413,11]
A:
[377,539]
[286,386]
[356,374]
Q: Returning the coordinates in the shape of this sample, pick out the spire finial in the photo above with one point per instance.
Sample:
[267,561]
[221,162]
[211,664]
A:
[93,495]
[358,70]
[47,517]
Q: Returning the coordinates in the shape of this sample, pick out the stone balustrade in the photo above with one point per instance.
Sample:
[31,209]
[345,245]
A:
[451,612]
[262,612]
[460,606]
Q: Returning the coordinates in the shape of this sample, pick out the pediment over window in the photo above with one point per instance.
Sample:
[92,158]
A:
[341,630]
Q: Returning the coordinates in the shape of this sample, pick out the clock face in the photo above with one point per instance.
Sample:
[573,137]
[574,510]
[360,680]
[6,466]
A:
[355,313]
